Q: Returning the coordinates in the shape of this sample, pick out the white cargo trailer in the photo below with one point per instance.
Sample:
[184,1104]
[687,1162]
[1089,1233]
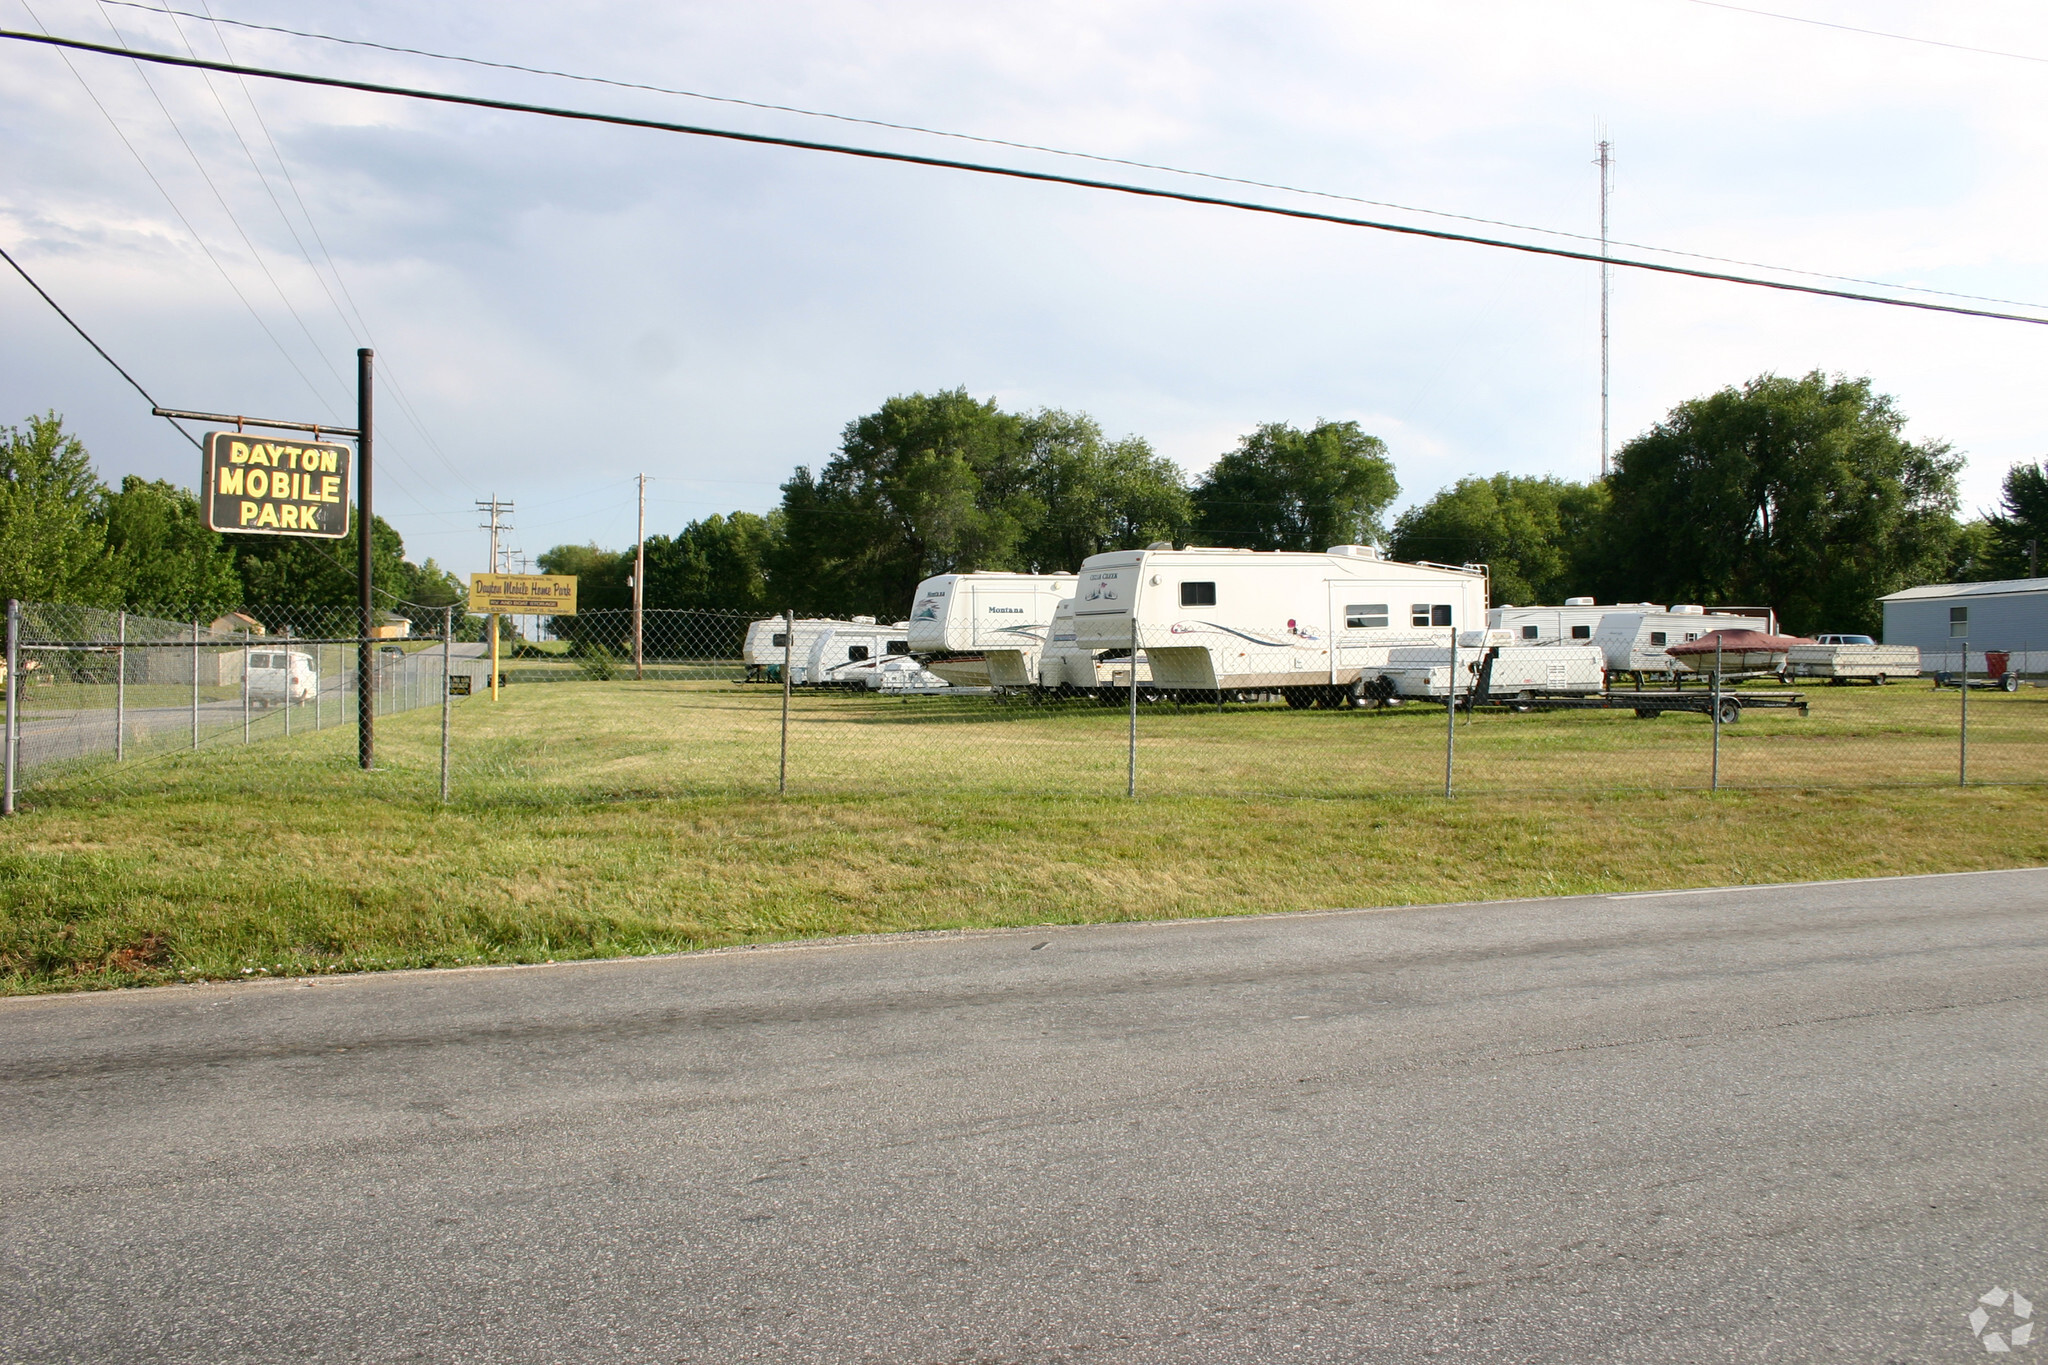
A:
[1492,664]
[986,627]
[1311,626]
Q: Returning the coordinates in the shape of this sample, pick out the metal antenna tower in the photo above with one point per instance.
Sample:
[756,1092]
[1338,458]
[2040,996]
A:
[1605,161]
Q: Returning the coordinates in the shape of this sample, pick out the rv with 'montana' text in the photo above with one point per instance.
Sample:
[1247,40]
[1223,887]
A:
[985,627]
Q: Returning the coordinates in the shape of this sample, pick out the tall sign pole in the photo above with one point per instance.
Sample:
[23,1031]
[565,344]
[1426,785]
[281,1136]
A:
[639,578]
[1605,162]
[366,708]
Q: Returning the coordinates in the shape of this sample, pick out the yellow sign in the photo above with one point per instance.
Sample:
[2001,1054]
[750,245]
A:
[523,594]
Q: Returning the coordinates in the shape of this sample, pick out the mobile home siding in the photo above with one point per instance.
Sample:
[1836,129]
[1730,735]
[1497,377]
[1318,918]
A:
[2011,616]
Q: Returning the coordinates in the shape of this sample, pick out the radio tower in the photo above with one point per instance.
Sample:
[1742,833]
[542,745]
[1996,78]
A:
[1605,161]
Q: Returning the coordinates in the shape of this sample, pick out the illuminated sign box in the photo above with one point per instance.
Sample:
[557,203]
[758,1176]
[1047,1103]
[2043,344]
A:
[275,488]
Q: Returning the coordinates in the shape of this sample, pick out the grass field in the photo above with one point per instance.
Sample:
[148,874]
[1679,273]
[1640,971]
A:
[597,819]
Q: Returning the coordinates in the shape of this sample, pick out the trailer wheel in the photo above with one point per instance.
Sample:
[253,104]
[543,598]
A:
[1645,713]
[1731,710]
[2009,682]
[1882,680]
[1299,698]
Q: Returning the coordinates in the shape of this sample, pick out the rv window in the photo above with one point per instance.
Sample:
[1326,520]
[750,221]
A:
[1198,594]
[1692,635]
[1530,632]
[899,646]
[1440,615]
[1658,637]
[1370,616]
[778,640]
[1959,623]
[1582,632]
[1418,614]
[855,653]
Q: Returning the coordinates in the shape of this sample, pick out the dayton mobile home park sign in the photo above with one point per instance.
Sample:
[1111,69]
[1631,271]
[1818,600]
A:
[275,488]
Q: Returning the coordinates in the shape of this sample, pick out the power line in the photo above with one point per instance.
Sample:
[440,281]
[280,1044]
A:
[1006,172]
[1078,155]
[1846,28]
[87,337]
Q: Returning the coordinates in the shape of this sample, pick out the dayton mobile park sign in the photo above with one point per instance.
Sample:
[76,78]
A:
[275,488]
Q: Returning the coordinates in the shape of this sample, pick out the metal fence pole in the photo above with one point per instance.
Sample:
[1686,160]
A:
[195,685]
[788,649]
[1131,746]
[447,693]
[121,688]
[1715,783]
[1451,717]
[13,692]
[245,689]
[1963,750]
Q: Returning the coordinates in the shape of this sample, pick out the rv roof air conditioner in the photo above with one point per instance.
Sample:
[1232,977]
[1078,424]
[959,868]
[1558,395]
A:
[863,620]
[1689,610]
[1160,545]
[1578,601]
[1356,551]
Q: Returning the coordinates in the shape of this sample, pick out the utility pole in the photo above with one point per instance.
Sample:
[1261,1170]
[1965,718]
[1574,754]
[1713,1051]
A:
[1605,161]
[496,509]
[2034,558]
[639,578]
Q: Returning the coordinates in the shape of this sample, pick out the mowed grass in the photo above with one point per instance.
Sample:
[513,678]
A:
[600,819]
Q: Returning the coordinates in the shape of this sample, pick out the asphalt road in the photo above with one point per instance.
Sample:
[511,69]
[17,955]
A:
[1803,1123]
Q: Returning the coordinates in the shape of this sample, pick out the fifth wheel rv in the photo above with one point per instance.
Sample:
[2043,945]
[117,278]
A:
[985,627]
[1217,621]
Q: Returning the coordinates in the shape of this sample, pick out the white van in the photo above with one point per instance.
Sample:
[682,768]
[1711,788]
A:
[976,628]
[1306,625]
[280,676]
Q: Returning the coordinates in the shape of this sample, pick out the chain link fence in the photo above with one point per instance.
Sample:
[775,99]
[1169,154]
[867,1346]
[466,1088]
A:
[715,703]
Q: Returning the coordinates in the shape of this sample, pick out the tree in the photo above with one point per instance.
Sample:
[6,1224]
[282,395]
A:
[309,586]
[1286,489]
[717,564]
[1095,495]
[602,595]
[928,484]
[2019,530]
[1799,494]
[163,557]
[52,541]
[1537,537]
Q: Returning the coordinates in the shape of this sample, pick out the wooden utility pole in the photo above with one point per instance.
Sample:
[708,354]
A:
[639,579]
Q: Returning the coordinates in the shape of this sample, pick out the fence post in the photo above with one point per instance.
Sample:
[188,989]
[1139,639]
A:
[1963,751]
[447,693]
[1131,747]
[195,685]
[1715,783]
[121,688]
[13,692]
[245,688]
[1451,717]
[788,648]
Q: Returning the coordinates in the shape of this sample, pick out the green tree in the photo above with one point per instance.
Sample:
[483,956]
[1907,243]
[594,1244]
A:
[1095,495]
[309,586]
[163,556]
[2019,529]
[603,596]
[717,564]
[928,484]
[1537,537]
[53,545]
[1287,489]
[1799,494]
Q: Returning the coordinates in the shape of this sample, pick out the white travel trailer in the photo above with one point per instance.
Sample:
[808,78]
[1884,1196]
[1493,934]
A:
[1307,625]
[816,647]
[1064,666]
[1632,635]
[986,627]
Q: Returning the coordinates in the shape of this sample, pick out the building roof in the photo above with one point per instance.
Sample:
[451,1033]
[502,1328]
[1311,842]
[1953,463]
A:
[1992,589]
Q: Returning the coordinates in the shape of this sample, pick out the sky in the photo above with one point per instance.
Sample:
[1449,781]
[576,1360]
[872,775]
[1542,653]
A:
[558,307]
